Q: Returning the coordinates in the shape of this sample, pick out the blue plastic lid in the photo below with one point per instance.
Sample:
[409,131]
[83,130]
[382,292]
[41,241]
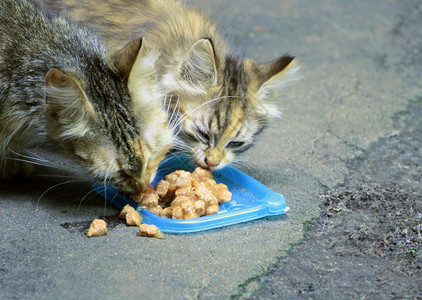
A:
[250,199]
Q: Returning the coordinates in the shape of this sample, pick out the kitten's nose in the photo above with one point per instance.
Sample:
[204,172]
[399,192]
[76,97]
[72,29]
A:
[209,164]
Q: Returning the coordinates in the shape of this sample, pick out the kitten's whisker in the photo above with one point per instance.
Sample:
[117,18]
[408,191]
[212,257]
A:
[231,174]
[111,201]
[165,102]
[167,158]
[240,165]
[173,120]
[86,195]
[169,104]
[54,186]
[33,154]
[182,146]
[176,119]
[33,162]
[55,176]
[106,181]
[28,157]
[274,126]
[38,160]
[185,115]
[258,121]
[174,110]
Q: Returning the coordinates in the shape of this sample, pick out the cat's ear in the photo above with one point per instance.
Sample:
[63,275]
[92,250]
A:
[142,79]
[272,78]
[67,105]
[197,71]
[123,60]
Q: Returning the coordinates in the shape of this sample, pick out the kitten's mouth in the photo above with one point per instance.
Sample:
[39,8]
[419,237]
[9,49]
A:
[208,168]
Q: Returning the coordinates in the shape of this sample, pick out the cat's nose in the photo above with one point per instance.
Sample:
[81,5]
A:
[210,164]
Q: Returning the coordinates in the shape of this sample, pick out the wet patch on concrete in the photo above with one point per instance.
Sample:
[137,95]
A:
[82,226]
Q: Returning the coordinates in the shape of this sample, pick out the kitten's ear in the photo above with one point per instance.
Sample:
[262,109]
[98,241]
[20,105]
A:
[67,105]
[199,71]
[124,59]
[142,80]
[276,69]
[273,77]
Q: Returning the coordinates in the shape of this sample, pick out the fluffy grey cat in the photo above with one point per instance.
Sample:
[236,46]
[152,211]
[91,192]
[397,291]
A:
[58,81]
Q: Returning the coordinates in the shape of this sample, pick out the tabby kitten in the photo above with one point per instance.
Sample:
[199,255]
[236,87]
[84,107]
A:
[57,81]
[224,101]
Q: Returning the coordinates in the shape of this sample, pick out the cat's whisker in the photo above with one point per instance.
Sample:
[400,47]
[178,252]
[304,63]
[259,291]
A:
[111,201]
[54,186]
[165,102]
[241,165]
[274,125]
[182,146]
[92,191]
[172,156]
[177,117]
[168,157]
[54,176]
[34,157]
[173,113]
[175,120]
[169,104]
[183,150]
[231,173]
[185,115]
[259,121]
[32,162]
[40,161]
[33,154]
[187,151]
[105,184]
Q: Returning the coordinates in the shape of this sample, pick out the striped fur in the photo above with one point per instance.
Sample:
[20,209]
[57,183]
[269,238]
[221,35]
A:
[225,101]
[59,83]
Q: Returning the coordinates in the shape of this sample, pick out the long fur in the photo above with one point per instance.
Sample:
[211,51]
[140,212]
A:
[58,81]
[197,65]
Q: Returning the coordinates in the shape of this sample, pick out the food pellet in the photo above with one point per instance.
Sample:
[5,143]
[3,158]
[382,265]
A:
[97,228]
[150,231]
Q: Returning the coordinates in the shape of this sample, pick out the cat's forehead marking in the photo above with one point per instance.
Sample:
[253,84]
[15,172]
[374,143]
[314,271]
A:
[214,123]
[235,80]
[236,118]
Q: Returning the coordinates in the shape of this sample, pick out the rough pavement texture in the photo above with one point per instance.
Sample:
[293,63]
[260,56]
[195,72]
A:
[361,65]
[368,244]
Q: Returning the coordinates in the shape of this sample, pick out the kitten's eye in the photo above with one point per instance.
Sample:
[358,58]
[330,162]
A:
[235,144]
[203,135]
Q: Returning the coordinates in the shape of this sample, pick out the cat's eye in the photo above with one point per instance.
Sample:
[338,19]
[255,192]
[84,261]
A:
[203,135]
[235,144]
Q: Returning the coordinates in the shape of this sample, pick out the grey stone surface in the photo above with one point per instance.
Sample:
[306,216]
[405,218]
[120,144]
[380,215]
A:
[359,68]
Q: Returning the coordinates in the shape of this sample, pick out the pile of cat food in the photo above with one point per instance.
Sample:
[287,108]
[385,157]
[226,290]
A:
[181,195]
[185,195]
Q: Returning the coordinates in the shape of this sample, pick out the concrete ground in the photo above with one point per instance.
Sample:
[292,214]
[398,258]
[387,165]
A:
[361,65]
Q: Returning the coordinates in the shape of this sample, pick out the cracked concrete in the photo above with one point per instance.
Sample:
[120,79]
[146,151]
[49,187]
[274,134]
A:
[358,70]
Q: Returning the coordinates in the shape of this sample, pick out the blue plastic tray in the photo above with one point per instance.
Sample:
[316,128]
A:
[250,199]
